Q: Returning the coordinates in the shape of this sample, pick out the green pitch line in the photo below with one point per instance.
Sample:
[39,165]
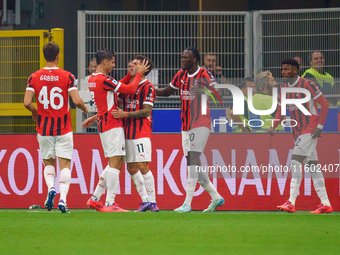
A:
[222,232]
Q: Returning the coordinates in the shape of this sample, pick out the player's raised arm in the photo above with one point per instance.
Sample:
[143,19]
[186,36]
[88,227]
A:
[132,87]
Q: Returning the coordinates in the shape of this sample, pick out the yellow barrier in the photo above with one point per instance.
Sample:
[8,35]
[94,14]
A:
[20,55]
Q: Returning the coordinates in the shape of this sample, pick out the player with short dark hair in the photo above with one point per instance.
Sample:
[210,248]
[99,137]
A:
[104,91]
[137,118]
[306,134]
[191,81]
[51,87]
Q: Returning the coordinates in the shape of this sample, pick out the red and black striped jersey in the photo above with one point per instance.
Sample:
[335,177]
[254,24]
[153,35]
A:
[305,123]
[136,128]
[103,90]
[191,105]
[51,86]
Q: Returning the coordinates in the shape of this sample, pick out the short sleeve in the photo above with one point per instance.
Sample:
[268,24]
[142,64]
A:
[111,84]
[313,89]
[175,83]
[149,95]
[30,83]
[209,78]
[72,83]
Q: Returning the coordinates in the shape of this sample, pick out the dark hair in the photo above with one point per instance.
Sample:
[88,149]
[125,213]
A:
[244,82]
[101,55]
[149,62]
[290,61]
[51,51]
[195,52]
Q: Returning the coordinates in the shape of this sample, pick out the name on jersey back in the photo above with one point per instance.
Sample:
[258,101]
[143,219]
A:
[49,78]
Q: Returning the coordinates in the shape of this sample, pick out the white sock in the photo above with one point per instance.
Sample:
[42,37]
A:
[112,180]
[101,186]
[64,183]
[203,180]
[296,170]
[138,181]
[191,184]
[49,174]
[319,185]
[149,182]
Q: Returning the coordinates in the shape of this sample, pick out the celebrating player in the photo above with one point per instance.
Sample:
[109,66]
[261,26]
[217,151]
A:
[103,89]
[137,117]
[51,87]
[306,134]
[191,81]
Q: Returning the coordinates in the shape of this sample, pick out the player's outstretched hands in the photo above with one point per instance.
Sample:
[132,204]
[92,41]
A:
[271,130]
[89,121]
[143,67]
[316,133]
[118,113]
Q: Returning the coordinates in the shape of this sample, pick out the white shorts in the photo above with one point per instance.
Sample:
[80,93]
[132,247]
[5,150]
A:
[52,146]
[195,139]
[138,150]
[305,145]
[113,142]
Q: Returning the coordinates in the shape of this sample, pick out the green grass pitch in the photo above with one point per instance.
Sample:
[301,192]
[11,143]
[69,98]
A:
[227,232]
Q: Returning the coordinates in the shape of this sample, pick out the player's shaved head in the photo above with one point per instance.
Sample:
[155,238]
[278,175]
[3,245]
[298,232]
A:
[101,55]
[51,51]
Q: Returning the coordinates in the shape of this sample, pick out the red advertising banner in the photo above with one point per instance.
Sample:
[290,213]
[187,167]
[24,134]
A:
[22,183]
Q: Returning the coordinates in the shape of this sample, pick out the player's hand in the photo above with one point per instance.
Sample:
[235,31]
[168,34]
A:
[271,130]
[118,113]
[89,121]
[218,70]
[35,114]
[85,109]
[316,133]
[143,67]
[196,91]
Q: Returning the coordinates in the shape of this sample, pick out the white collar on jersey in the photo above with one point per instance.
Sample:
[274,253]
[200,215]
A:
[192,75]
[54,67]
[96,73]
[141,82]
[295,82]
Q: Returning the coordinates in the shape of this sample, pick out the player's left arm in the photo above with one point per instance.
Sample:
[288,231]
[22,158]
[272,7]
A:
[28,104]
[323,114]
[143,113]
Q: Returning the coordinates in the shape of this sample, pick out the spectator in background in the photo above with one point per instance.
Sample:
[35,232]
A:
[211,64]
[263,100]
[92,67]
[299,60]
[323,80]
[245,84]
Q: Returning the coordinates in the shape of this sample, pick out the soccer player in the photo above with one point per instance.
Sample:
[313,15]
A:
[306,134]
[51,87]
[195,125]
[137,117]
[104,91]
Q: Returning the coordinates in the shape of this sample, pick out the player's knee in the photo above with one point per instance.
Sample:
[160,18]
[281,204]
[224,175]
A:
[143,167]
